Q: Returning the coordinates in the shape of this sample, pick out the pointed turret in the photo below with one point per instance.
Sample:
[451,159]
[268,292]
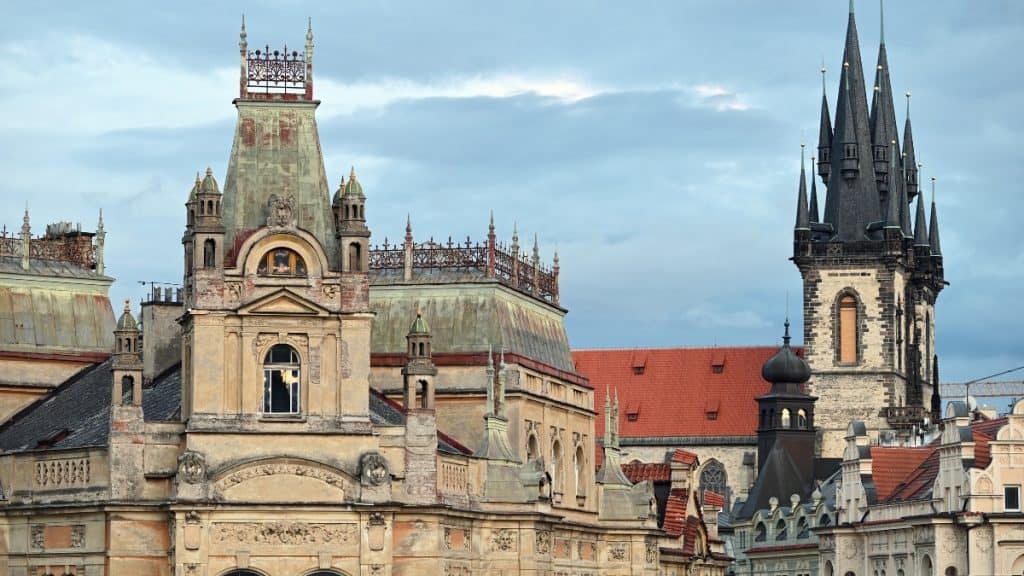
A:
[349,208]
[127,365]
[803,220]
[852,201]
[611,473]
[905,208]
[909,158]
[419,370]
[892,216]
[824,134]
[920,225]
[933,229]
[813,207]
[883,119]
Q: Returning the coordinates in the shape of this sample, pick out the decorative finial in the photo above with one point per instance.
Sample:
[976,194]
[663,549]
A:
[309,31]
[243,34]
[851,6]
[785,336]
[802,146]
[908,103]
[127,306]
[209,171]
[490,357]
[933,189]
[490,226]
[419,311]
[408,224]
[198,179]
[352,174]
[823,71]
[881,21]
[556,257]
[99,225]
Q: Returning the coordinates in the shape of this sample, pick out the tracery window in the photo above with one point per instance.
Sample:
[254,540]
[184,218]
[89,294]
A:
[282,262]
[580,471]
[714,478]
[532,448]
[847,331]
[281,375]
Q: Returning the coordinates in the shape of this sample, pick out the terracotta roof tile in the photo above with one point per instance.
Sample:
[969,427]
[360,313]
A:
[684,456]
[638,471]
[714,499]
[679,391]
[675,512]
[890,466]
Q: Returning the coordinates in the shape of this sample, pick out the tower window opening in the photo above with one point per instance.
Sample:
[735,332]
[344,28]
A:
[424,400]
[127,390]
[281,380]
[785,418]
[282,262]
[209,253]
[847,330]
[801,419]
[355,257]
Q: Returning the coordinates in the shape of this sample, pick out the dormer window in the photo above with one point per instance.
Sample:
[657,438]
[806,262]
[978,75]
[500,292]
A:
[281,262]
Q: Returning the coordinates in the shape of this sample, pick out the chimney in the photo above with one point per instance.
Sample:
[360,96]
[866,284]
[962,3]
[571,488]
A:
[161,333]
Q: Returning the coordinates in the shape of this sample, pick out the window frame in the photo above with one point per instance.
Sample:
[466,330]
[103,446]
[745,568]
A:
[270,366]
[847,304]
[296,267]
[1006,491]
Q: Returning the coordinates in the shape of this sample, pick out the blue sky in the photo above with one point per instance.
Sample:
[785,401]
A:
[655,144]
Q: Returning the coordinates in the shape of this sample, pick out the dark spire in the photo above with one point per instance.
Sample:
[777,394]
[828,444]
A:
[883,118]
[933,230]
[802,219]
[909,159]
[785,367]
[824,133]
[905,206]
[813,209]
[852,201]
[892,217]
[920,226]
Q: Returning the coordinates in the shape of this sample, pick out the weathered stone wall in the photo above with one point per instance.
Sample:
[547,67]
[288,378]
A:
[161,337]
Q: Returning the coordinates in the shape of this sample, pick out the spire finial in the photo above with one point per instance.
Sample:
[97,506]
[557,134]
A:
[908,103]
[851,6]
[933,189]
[99,225]
[242,34]
[490,357]
[881,20]
[127,306]
[209,171]
[198,179]
[309,31]
[823,72]
[802,146]
[408,223]
[490,226]
[785,336]
[352,174]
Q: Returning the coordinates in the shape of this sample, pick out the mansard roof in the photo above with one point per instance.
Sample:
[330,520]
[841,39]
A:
[672,391]
[76,414]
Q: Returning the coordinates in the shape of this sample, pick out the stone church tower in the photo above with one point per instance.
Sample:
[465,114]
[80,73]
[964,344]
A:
[870,279]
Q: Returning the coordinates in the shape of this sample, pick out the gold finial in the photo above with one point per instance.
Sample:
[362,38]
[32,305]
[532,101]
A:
[846,65]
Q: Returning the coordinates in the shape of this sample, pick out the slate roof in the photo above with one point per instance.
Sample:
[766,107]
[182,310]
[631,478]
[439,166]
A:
[678,387]
[76,414]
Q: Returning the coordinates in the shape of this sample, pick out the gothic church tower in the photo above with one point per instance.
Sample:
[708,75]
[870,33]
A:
[870,279]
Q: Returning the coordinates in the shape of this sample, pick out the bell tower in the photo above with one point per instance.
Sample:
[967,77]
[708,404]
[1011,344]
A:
[870,281]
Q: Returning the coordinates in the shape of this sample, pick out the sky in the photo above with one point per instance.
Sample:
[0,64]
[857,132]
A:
[655,145]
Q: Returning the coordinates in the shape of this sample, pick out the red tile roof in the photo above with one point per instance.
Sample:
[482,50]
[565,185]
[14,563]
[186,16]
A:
[890,466]
[678,392]
[684,456]
[919,481]
[638,471]
[675,512]
[714,499]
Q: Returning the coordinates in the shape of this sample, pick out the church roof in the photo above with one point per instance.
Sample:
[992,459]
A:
[704,392]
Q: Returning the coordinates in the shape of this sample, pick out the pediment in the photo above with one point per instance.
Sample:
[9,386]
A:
[283,303]
[285,479]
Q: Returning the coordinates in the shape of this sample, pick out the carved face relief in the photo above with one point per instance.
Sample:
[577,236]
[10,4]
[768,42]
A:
[280,211]
[373,469]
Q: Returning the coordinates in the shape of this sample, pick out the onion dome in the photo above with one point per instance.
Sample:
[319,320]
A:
[785,365]
[336,200]
[127,321]
[419,325]
[353,188]
[209,184]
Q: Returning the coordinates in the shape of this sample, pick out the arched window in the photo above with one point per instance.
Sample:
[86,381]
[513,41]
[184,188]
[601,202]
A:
[847,329]
[824,520]
[532,448]
[829,570]
[209,253]
[785,418]
[282,262]
[802,530]
[714,478]
[801,419]
[781,532]
[579,463]
[926,566]
[355,262]
[761,532]
[127,389]
[281,375]
[556,466]
[951,571]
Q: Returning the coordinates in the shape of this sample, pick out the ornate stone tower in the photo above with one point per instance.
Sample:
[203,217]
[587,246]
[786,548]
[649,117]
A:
[870,282]
[275,338]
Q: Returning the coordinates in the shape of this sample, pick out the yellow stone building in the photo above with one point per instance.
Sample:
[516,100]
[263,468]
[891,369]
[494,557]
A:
[314,426]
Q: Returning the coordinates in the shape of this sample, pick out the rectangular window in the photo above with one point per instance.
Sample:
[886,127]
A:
[280,391]
[848,330]
[1011,498]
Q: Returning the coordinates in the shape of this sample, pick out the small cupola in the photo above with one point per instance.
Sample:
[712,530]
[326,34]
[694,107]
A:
[785,367]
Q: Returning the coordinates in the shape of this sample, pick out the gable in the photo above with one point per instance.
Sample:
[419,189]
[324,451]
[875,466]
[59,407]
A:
[283,302]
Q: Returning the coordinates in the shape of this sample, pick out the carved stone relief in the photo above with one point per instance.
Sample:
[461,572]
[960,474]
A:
[373,469]
[504,540]
[192,467]
[284,532]
[618,551]
[280,211]
[543,542]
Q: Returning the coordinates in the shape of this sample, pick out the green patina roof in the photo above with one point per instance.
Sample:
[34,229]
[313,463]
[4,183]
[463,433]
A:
[127,321]
[419,325]
[468,315]
[353,187]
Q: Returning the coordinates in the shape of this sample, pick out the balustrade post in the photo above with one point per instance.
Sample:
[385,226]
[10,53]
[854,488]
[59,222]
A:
[554,280]
[515,256]
[26,240]
[490,248]
[407,252]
